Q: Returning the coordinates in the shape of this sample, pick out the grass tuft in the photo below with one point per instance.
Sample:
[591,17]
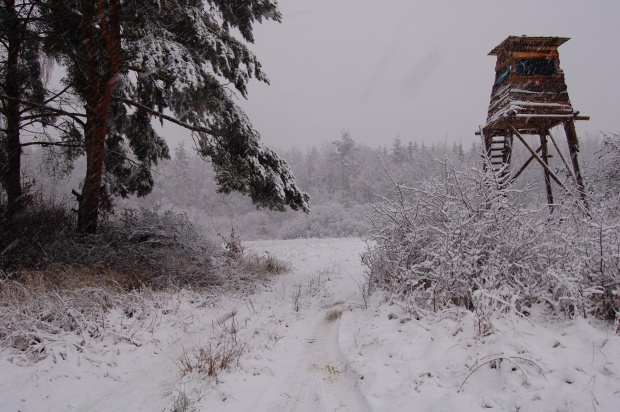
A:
[333,315]
[264,265]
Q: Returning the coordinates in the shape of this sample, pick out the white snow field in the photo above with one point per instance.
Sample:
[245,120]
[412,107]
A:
[298,354]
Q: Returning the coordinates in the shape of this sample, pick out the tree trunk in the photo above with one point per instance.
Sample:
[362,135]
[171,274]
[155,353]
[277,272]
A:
[100,87]
[88,214]
[12,170]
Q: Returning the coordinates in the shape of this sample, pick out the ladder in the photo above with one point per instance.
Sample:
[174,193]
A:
[499,155]
[499,151]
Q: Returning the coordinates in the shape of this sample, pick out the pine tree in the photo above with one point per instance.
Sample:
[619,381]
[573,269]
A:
[22,93]
[129,61]
[345,157]
[180,166]
[399,154]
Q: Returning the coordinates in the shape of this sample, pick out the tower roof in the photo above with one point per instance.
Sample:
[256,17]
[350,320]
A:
[522,43]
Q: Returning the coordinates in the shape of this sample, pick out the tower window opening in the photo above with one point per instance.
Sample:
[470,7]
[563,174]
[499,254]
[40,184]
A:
[536,67]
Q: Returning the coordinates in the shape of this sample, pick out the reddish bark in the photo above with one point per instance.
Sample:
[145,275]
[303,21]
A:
[101,83]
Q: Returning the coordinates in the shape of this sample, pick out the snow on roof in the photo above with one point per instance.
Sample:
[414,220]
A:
[520,42]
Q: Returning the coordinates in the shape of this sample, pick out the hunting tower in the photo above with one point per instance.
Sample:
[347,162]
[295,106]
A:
[529,97]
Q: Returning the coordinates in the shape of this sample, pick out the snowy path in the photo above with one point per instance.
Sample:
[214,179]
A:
[305,369]
[321,379]
[294,359]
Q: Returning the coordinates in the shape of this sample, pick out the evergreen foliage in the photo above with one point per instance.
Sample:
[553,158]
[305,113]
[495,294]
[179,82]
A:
[128,62]
[20,82]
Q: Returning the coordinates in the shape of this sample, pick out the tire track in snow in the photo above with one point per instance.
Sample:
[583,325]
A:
[311,371]
[321,379]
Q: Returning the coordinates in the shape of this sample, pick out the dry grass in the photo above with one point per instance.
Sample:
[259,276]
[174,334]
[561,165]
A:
[62,289]
[212,358]
[263,265]
[38,308]
[333,315]
[182,403]
[57,285]
[145,247]
[297,297]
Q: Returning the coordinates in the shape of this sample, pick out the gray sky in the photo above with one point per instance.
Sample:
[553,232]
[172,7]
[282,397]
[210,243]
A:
[418,69]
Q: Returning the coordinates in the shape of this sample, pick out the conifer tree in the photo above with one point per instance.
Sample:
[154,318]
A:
[130,60]
[20,83]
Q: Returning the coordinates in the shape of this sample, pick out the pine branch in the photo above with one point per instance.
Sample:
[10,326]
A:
[136,163]
[74,116]
[54,97]
[160,115]
[46,144]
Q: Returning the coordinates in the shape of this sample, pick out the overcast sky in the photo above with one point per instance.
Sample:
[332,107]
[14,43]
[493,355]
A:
[418,69]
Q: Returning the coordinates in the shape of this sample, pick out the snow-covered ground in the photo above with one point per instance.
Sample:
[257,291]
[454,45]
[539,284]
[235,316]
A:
[295,359]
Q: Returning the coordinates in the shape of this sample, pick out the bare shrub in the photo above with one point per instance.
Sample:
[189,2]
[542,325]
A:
[606,173]
[232,244]
[167,244]
[296,297]
[36,237]
[460,241]
[364,287]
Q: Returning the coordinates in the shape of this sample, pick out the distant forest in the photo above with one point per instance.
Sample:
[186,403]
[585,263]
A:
[343,178]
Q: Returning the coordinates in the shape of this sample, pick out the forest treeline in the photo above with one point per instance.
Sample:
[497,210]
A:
[343,178]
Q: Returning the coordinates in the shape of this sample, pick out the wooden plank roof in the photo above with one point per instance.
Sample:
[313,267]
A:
[513,43]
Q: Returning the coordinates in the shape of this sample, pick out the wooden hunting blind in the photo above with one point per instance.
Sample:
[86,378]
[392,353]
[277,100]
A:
[529,97]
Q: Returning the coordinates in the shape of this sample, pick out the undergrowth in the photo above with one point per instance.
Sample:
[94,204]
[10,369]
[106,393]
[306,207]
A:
[460,241]
[60,286]
[144,247]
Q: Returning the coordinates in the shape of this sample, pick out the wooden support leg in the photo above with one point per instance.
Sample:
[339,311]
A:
[525,165]
[545,157]
[537,158]
[573,148]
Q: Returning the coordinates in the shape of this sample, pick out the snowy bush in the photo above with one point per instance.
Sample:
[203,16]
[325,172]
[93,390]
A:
[458,240]
[147,247]
[606,173]
[54,282]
